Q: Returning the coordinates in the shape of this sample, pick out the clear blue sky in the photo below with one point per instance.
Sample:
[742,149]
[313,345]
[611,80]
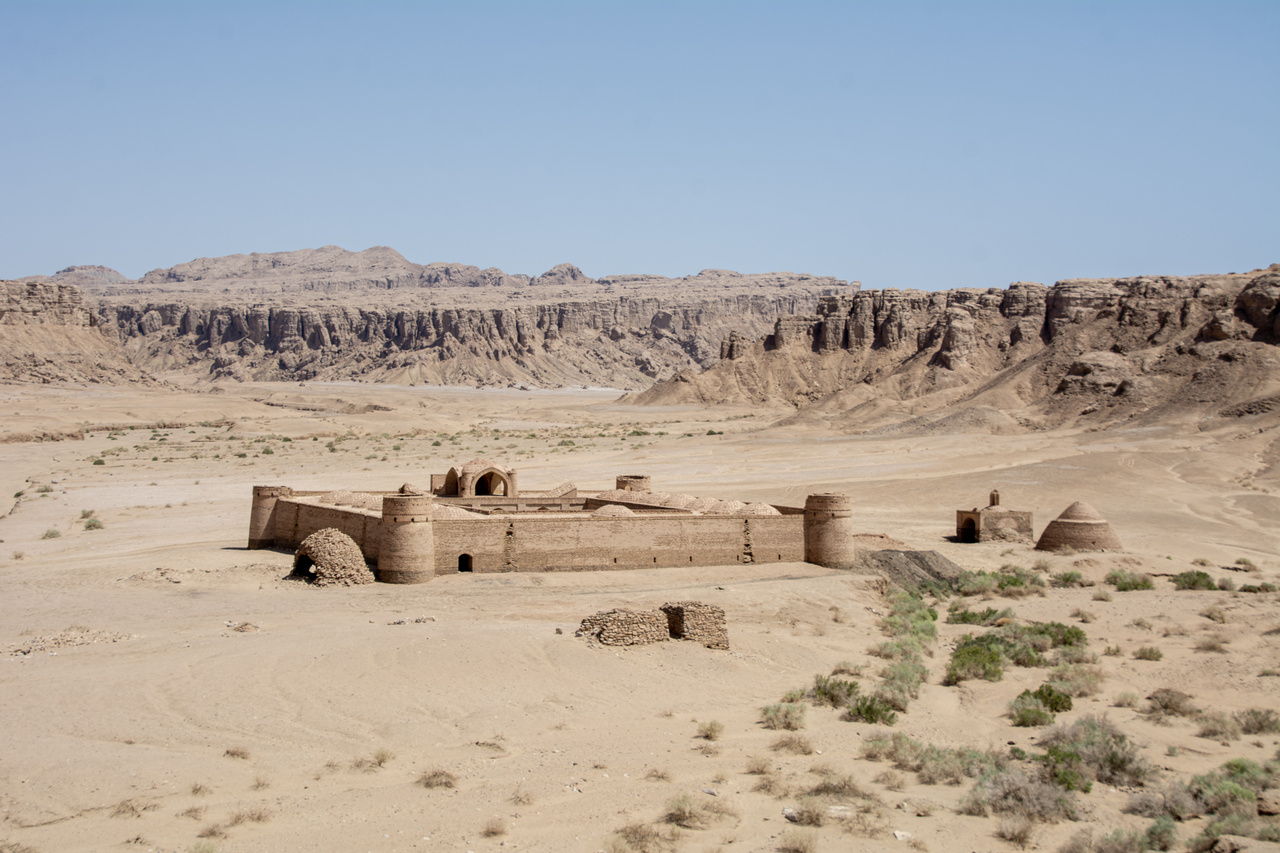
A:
[904,144]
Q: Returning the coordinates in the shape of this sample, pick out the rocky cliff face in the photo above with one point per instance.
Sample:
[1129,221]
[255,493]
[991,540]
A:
[332,314]
[47,334]
[1107,348]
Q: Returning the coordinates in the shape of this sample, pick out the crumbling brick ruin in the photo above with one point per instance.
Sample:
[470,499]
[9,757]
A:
[679,620]
[330,557]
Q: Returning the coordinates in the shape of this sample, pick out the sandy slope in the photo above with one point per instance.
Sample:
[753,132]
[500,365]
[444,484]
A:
[483,686]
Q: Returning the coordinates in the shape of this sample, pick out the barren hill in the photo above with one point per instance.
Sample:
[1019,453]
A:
[1095,351]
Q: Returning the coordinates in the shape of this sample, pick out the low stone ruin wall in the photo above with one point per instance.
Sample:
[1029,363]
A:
[698,623]
[626,627]
[680,620]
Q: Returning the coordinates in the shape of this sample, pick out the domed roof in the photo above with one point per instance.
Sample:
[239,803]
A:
[702,504]
[680,501]
[411,489]
[476,466]
[1081,511]
[449,512]
[760,509]
[727,508]
[613,511]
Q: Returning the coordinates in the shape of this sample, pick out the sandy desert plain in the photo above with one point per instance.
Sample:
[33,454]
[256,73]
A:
[162,688]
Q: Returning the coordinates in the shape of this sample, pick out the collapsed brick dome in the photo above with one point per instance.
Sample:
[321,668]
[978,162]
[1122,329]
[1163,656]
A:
[1080,527]
[330,557]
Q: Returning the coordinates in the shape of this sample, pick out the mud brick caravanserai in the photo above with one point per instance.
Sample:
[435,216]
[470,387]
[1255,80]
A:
[475,518]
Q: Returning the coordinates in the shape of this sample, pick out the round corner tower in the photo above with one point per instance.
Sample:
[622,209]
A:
[262,515]
[828,531]
[407,550]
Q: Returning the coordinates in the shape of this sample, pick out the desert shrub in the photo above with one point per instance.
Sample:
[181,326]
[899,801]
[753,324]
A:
[1162,834]
[1017,829]
[688,812]
[1075,654]
[1096,748]
[644,838]
[710,730]
[1083,615]
[786,715]
[1013,792]
[973,660]
[797,841]
[1193,580]
[932,764]
[1126,700]
[1176,801]
[1212,643]
[845,667]
[795,744]
[796,695]
[1246,563]
[1068,579]
[975,583]
[1027,711]
[835,692]
[870,709]
[1218,726]
[989,616]
[1149,653]
[840,787]
[437,778]
[1102,595]
[1076,679]
[908,674]
[1258,721]
[1261,587]
[93,524]
[51,533]
[1167,702]
[1214,614]
[891,779]
[759,765]
[1125,581]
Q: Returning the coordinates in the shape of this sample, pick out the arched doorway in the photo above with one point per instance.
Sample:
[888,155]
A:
[464,562]
[969,531]
[491,483]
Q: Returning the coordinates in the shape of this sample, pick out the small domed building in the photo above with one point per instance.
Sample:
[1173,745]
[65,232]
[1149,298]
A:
[1080,527]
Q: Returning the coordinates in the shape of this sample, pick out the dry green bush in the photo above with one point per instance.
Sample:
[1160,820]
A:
[193,812]
[1013,792]
[786,715]
[520,797]
[213,830]
[1215,614]
[132,808]
[374,762]
[1148,653]
[199,789]
[711,730]
[656,775]
[1126,700]
[841,788]
[759,765]
[237,752]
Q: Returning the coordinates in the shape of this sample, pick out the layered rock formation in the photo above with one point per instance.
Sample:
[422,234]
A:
[48,334]
[964,359]
[332,314]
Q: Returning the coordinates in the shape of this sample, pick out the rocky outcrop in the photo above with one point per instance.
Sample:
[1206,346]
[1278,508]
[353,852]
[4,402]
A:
[1109,348]
[47,334]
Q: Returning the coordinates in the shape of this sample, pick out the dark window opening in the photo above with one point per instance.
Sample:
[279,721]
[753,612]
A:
[464,562]
[969,531]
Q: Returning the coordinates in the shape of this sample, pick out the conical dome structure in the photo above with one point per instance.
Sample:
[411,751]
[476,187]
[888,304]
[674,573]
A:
[1080,527]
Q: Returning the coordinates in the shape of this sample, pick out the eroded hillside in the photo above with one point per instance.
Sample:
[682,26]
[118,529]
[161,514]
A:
[1097,351]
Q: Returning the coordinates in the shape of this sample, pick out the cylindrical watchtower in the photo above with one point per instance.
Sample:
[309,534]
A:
[633,483]
[828,531]
[261,517]
[407,550]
